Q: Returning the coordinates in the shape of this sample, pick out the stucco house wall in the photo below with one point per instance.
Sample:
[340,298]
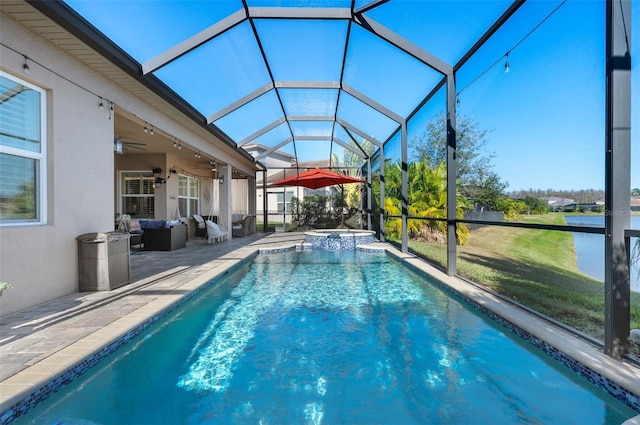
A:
[82,175]
[41,260]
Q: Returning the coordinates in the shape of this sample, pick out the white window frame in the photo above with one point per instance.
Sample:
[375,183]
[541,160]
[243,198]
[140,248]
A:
[121,188]
[40,157]
[188,197]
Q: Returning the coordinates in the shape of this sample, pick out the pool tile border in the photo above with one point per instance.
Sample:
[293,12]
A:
[337,240]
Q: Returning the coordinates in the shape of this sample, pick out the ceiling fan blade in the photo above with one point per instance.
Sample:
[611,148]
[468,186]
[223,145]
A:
[140,148]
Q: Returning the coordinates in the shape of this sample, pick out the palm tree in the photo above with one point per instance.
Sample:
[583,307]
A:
[427,198]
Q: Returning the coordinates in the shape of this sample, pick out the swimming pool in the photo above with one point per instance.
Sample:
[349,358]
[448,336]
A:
[327,337]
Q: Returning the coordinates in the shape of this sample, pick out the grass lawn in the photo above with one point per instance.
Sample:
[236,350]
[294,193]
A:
[537,268]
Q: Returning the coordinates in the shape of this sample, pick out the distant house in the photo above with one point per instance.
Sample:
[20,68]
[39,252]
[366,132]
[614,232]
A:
[281,165]
[581,207]
[557,204]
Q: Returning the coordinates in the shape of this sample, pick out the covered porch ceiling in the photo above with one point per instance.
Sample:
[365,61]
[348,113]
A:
[314,79]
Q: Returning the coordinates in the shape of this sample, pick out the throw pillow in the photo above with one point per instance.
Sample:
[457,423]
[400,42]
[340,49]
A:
[134,226]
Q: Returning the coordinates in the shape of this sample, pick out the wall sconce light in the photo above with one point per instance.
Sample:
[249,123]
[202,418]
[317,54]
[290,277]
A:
[172,171]
[101,105]
[160,180]
[117,147]
[221,178]
[25,67]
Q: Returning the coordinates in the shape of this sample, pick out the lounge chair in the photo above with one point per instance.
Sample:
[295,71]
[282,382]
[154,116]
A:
[215,232]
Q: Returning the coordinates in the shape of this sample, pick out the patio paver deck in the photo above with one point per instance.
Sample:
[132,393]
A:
[35,334]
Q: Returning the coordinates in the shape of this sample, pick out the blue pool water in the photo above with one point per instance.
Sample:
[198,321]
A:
[327,337]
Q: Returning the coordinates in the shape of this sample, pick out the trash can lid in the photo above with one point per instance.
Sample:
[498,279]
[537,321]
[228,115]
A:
[92,237]
[116,235]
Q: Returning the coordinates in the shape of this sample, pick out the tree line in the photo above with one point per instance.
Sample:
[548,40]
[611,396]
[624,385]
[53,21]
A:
[583,196]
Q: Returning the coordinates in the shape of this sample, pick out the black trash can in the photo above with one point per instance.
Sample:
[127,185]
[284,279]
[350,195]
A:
[103,261]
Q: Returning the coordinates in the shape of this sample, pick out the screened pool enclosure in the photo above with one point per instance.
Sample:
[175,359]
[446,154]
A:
[451,111]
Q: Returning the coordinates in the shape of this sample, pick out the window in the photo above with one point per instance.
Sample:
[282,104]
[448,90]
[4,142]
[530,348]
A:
[188,196]
[22,152]
[282,206]
[138,194]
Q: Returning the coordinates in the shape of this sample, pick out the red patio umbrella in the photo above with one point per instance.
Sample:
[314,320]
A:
[316,178]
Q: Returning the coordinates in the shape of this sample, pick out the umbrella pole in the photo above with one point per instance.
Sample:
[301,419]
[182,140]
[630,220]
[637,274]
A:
[342,207]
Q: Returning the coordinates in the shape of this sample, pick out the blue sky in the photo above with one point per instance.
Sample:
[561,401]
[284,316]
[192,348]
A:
[546,116]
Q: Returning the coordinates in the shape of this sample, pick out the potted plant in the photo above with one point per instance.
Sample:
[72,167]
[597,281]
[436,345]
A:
[3,286]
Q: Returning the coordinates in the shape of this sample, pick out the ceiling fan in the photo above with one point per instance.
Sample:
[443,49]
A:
[119,145]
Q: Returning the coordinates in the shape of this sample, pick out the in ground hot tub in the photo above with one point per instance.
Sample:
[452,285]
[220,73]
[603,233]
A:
[334,239]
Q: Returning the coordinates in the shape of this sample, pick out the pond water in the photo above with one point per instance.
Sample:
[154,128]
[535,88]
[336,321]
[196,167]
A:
[590,247]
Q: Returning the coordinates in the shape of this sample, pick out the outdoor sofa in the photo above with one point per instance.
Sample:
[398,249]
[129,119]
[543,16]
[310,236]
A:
[161,235]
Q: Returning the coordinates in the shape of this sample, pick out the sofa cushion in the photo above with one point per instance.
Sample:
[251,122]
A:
[152,224]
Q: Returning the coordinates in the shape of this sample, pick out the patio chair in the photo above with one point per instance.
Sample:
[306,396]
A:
[252,225]
[131,226]
[242,228]
[200,226]
[215,232]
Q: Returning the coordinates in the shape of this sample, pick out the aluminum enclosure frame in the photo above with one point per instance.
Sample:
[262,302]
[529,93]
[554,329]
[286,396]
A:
[617,123]
[617,177]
